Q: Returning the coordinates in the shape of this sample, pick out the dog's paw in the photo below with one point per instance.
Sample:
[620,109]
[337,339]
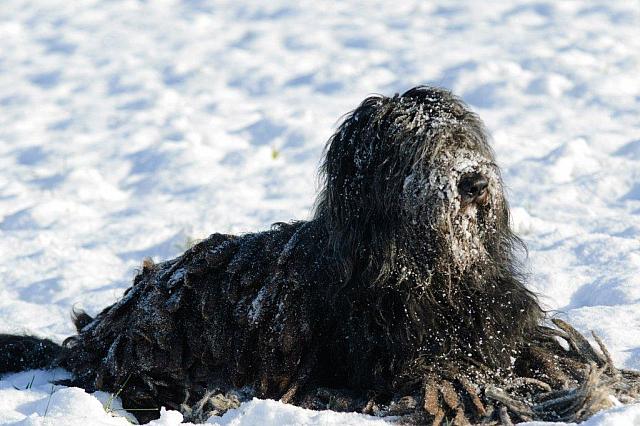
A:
[211,404]
[454,400]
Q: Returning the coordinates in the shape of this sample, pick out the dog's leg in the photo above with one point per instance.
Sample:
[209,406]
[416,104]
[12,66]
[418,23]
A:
[302,378]
[451,396]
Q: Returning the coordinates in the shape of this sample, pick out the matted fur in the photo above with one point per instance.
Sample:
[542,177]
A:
[394,280]
[391,275]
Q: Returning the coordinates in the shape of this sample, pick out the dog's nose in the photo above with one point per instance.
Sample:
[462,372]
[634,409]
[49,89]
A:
[472,186]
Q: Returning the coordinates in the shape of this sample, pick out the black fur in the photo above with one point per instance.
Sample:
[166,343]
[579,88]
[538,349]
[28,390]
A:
[25,352]
[395,274]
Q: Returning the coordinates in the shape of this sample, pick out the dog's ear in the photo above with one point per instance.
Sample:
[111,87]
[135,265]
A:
[348,159]
[357,166]
[360,198]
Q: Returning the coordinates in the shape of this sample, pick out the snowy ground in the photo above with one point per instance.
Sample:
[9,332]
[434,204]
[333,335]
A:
[129,128]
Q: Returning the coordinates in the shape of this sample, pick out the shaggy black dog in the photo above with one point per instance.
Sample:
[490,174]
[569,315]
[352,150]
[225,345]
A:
[404,284]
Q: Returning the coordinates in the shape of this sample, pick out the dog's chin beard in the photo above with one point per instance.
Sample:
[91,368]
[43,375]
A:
[462,239]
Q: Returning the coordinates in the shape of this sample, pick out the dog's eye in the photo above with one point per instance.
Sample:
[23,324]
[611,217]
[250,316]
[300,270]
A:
[472,186]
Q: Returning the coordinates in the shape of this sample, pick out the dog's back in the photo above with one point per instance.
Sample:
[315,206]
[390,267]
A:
[231,311]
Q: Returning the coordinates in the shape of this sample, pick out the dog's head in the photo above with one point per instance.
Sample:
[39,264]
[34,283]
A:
[414,208]
[414,176]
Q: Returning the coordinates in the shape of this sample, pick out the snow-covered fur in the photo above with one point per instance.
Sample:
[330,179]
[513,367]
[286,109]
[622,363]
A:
[400,270]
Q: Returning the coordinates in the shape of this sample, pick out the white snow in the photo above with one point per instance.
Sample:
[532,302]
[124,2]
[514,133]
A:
[129,128]
[269,412]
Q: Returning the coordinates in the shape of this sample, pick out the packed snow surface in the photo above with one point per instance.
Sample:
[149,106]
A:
[130,128]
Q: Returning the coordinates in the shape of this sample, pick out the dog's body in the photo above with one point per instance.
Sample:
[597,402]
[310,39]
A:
[406,270]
